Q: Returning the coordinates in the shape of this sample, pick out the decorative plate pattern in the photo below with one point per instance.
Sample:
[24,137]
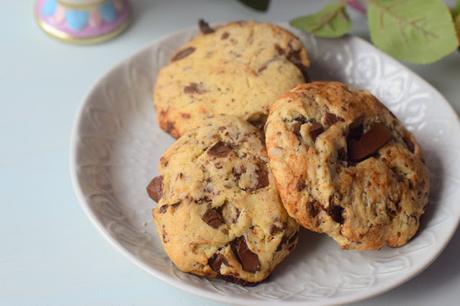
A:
[117,143]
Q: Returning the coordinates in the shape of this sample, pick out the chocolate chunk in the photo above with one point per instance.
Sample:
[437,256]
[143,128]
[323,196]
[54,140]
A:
[313,209]
[301,184]
[163,209]
[297,123]
[258,120]
[220,149]
[279,49]
[294,58]
[275,230]
[409,144]
[213,218]
[169,126]
[238,172]
[185,115]
[249,261]
[292,241]
[281,244]
[204,199]
[335,211]
[342,154]
[183,54]
[330,118]
[315,130]
[355,131]
[193,88]
[262,176]
[216,261]
[237,215]
[175,205]
[204,27]
[369,143]
[225,35]
[301,119]
[155,188]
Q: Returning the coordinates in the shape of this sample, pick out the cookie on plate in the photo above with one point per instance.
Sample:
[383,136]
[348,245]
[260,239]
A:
[346,166]
[218,212]
[236,69]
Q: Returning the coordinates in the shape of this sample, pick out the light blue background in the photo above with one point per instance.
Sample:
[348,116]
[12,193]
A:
[50,253]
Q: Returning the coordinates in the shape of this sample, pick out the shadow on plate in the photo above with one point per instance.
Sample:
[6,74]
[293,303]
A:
[308,242]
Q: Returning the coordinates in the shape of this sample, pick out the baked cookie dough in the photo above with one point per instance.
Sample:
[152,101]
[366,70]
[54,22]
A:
[236,69]
[218,212]
[346,166]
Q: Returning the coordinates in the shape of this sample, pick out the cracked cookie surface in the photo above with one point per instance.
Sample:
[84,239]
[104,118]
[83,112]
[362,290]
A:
[345,166]
[236,69]
[218,212]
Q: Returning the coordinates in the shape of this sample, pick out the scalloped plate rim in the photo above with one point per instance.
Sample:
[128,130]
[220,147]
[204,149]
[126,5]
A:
[358,296]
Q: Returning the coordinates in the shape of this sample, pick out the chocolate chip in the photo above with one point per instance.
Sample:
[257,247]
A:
[204,27]
[315,130]
[258,120]
[369,143]
[335,211]
[225,35]
[183,54]
[409,144]
[220,149]
[213,218]
[313,209]
[163,209]
[216,261]
[330,118]
[185,115]
[262,176]
[249,260]
[193,88]
[155,188]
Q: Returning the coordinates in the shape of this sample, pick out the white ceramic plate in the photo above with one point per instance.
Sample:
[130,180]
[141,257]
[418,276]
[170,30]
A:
[117,143]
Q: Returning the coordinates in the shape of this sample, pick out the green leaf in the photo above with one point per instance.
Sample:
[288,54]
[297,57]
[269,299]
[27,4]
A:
[412,30]
[260,5]
[331,21]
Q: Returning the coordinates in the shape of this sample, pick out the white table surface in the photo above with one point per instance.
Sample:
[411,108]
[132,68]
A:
[50,253]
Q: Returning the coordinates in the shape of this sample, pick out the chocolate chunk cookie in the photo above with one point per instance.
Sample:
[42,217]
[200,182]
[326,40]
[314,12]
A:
[346,166]
[218,212]
[236,69]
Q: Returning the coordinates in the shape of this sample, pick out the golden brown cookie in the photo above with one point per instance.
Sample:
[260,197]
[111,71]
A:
[346,166]
[236,69]
[218,212]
